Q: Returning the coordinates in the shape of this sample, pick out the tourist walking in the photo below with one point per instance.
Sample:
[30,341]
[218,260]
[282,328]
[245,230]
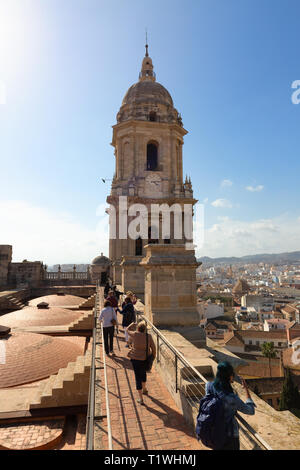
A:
[117,293]
[128,316]
[140,339]
[220,391]
[108,317]
[106,288]
[113,300]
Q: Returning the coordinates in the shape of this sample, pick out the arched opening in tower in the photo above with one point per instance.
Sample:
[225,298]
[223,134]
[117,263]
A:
[138,247]
[152,116]
[152,156]
[153,236]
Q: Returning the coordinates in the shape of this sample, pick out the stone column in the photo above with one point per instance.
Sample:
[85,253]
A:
[170,285]
[133,275]
[117,272]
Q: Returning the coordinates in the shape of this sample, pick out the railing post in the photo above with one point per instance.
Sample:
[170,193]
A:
[176,366]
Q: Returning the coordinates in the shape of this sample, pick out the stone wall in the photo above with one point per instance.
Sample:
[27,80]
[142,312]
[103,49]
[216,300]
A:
[81,291]
[27,272]
[170,285]
[5,260]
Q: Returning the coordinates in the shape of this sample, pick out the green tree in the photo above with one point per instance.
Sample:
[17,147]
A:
[290,397]
[268,351]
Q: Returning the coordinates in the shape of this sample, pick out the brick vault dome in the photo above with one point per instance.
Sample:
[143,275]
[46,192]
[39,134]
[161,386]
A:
[30,357]
[57,300]
[33,316]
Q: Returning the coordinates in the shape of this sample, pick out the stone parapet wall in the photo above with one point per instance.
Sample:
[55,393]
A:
[81,291]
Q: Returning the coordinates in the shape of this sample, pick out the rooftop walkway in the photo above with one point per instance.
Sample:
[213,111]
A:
[157,425]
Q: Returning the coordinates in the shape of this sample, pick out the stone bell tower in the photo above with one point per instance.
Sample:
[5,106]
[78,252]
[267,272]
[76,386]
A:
[148,141]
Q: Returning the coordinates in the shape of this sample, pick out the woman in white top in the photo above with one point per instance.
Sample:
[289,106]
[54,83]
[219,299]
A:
[108,318]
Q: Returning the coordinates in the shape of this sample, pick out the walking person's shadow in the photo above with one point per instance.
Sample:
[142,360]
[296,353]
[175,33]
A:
[170,417]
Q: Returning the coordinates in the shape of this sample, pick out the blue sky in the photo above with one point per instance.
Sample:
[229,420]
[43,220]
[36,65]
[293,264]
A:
[229,65]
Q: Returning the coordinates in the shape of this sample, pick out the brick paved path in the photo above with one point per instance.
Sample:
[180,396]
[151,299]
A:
[159,425]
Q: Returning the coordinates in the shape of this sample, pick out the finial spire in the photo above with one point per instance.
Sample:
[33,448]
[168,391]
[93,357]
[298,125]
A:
[147,55]
[147,72]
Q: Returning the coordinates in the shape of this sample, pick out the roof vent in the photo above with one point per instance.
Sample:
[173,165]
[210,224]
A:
[4,331]
[42,305]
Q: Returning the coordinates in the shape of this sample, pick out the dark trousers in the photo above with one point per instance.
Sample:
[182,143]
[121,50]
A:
[108,333]
[233,443]
[139,368]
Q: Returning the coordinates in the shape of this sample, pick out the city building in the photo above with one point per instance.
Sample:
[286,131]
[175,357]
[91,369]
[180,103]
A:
[251,341]
[208,309]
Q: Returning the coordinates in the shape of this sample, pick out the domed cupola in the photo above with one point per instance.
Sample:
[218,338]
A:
[148,100]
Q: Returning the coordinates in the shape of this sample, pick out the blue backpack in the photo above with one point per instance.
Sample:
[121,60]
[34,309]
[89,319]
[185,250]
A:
[210,426]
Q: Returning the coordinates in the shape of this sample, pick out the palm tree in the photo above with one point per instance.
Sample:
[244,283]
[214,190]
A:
[268,351]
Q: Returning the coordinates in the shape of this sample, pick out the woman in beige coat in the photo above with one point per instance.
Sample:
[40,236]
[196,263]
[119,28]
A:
[137,354]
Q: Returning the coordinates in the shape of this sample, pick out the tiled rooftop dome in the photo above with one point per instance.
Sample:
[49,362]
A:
[55,300]
[33,316]
[30,357]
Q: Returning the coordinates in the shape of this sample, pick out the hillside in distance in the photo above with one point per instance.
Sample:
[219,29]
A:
[275,258]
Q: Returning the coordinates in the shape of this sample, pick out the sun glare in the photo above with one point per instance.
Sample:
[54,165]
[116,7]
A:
[15,36]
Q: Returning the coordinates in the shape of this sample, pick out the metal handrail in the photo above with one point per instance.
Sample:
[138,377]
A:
[91,400]
[92,386]
[198,375]
[110,445]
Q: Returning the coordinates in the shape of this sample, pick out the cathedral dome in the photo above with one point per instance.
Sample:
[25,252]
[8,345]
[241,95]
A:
[148,100]
[147,92]
[101,260]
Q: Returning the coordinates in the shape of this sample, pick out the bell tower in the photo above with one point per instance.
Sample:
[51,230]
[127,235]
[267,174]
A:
[148,142]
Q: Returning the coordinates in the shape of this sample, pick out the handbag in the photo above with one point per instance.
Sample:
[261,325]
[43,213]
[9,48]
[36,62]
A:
[149,359]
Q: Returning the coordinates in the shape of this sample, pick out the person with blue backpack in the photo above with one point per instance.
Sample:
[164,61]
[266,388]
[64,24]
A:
[217,427]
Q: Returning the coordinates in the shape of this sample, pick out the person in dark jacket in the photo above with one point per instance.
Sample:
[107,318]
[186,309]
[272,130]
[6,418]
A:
[232,403]
[128,316]
[117,293]
[106,288]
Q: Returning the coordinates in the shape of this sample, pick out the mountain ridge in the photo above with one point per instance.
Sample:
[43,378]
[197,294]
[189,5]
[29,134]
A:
[271,258]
